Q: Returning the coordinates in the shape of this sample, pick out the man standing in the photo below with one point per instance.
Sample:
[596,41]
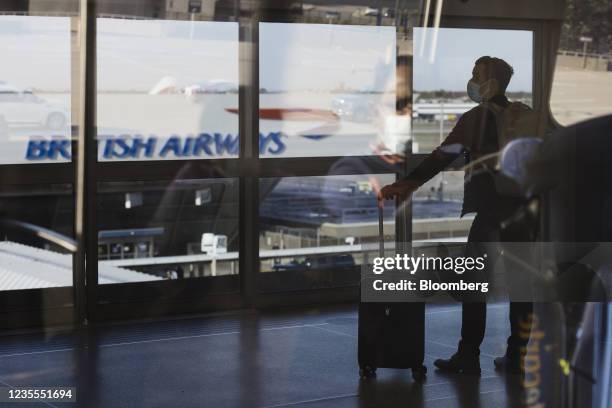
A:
[475,135]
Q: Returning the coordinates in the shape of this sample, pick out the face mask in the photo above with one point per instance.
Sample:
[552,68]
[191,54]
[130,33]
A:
[397,133]
[473,91]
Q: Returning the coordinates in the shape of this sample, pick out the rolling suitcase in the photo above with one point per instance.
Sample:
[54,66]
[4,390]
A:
[391,335]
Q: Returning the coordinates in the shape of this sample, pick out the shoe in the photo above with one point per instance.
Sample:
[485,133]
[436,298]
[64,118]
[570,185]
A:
[509,365]
[460,363]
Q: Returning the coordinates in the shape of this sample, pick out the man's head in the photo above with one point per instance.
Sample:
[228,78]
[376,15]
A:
[490,77]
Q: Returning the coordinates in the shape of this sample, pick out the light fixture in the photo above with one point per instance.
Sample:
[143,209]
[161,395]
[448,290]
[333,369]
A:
[203,196]
[133,200]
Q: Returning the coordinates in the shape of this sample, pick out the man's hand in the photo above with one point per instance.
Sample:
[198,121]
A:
[401,189]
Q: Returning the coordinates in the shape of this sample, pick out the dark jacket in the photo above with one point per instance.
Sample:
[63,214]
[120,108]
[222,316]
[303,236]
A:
[474,136]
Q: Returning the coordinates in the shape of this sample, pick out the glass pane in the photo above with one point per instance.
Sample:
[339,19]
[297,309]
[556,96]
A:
[27,260]
[167,89]
[443,63]
[167,230]
[35,102]
[436,210]
[318,227]
[583,72]
[330,90]
[39,42]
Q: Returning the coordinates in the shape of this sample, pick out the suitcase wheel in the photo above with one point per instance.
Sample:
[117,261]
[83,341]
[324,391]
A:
[367,372]
[419,374]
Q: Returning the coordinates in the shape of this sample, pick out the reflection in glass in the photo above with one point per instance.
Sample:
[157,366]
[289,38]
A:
[35,103]
[168,235]
[436,209]
[326,89]
[320,223]
[167,90]
[28,261]
[443,62]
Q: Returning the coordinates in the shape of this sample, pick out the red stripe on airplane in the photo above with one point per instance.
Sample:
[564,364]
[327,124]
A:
[292,114]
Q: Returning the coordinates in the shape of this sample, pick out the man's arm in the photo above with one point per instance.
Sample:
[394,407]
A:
[453,146]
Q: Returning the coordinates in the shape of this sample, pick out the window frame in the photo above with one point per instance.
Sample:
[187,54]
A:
[108,302]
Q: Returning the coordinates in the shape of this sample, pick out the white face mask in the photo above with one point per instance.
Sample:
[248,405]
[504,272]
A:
[476,93]
[473,91]
[397,133]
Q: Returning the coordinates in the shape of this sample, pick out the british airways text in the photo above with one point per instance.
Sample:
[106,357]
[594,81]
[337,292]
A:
[152,147]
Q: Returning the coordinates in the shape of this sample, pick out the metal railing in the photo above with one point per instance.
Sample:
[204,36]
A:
[45,234]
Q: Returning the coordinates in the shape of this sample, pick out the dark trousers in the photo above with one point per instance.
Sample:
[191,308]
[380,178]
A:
[485,229]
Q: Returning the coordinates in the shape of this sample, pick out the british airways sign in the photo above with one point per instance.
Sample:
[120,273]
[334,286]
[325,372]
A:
[139,147]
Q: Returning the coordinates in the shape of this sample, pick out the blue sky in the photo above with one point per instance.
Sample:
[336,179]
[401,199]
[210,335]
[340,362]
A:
[458,48]
[325,56]
[136,54]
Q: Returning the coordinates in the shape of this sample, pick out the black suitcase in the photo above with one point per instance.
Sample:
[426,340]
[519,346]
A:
[391,335]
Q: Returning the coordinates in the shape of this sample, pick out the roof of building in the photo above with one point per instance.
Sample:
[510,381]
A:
[27,267]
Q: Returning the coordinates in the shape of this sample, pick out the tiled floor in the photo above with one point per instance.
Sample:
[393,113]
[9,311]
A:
[297,358]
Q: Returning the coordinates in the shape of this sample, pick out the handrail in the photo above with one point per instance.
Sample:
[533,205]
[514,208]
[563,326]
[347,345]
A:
[41,232]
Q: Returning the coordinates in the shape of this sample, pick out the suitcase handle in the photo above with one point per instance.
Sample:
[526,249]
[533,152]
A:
[381,232]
